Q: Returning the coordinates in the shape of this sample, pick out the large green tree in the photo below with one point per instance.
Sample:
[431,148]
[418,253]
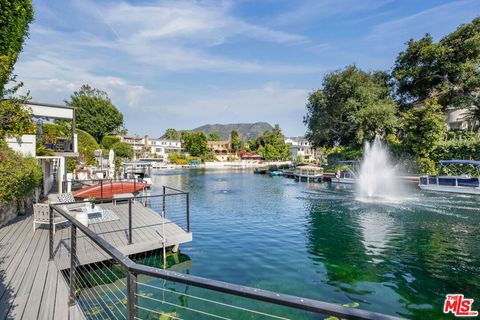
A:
[351,107]
[448,70]
[172,134]
[422,128]
[214,136]
[195,143]
[15,17]
[236,142]
[95,113]
[271,145]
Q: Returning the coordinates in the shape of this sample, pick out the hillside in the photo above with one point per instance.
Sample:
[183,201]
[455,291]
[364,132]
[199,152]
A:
[246,130]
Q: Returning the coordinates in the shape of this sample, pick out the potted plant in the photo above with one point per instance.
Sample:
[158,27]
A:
[91,200]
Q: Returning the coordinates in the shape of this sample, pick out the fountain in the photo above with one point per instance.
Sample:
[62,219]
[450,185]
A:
[377,177]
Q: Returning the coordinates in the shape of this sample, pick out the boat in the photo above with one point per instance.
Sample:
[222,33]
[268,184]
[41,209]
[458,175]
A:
[347,175]
[461,176]
[107,189]
[276,173]
[260,170]
[344,176]
[309,173]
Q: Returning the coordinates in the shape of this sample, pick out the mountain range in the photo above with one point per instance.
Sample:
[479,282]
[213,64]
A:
[245,130]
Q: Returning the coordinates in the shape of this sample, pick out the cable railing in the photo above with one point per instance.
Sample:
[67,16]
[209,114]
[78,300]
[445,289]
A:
[103,189]
[116,287]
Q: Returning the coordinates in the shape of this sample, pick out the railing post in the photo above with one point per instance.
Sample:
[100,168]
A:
[134,184]
[51,235]
[188,211]
[101,190]
[73,258]
[163,207]
[130,221]
[132,295]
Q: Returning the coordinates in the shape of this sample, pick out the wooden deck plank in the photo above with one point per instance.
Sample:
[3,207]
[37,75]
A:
[39,283]
[25,289]
[47,306]
[61,306]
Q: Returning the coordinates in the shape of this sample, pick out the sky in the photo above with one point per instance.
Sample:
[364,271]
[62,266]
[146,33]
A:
[182,64]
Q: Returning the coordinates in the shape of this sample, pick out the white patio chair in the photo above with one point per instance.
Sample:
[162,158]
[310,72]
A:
[41,215]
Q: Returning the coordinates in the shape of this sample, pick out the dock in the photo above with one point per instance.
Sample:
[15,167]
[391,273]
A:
[147,227]
[33,287]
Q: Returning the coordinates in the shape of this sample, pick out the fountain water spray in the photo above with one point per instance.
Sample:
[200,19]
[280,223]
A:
[378,178]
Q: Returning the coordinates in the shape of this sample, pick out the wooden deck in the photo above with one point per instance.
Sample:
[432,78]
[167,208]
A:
[31,287]
[147,226]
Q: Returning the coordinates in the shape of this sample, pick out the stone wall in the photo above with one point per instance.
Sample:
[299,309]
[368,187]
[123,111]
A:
[18,207]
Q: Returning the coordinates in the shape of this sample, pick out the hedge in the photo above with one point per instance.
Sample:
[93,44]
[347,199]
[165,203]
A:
[18,175]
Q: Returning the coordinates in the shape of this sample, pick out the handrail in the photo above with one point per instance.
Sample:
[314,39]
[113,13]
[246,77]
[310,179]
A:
[133,270]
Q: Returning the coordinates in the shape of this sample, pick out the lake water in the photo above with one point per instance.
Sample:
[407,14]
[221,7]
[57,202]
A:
[318,241]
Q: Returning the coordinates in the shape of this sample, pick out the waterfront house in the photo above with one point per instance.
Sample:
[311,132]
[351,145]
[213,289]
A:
[221,149]
[300,148]
[138,143]
[161,148]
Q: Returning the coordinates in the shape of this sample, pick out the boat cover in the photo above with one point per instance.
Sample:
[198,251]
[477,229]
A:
[472,162]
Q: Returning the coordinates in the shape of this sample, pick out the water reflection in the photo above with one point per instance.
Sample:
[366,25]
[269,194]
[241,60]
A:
[404,257]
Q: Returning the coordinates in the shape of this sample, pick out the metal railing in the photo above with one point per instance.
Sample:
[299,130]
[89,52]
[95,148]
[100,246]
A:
[106,185]
[126,296]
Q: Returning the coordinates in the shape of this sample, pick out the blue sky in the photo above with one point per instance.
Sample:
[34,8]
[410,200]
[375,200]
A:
[182,64]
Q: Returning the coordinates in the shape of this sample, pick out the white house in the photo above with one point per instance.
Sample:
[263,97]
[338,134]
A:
[161,148]
[301,148]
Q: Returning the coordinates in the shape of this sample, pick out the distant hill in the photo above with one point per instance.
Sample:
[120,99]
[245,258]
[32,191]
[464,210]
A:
[246,130]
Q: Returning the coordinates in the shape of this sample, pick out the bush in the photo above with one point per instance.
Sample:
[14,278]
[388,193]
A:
[109,141]
[18,175]
[86,146]
[427,166]
[122,150]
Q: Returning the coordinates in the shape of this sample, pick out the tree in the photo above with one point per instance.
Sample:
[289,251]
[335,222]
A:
[172,134]
[236,142]
[422,127]
[352,106]
[448,70]
[15,119]
[271,145]
[195,143]
[122,150]
[15,17]
[214,136]
[108,141]
[95,112]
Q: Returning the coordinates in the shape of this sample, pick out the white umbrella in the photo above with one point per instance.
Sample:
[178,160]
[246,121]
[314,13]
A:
[111,163]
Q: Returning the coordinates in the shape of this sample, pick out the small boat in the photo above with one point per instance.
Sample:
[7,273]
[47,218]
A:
[463,177]
[276,173]
[348,175]
[309,174]
[260,171]
[344,177]
[107,189]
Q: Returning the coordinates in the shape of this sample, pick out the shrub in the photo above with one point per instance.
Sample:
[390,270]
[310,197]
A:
[122,150]
[109,141]
[86,146]
[18,175]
